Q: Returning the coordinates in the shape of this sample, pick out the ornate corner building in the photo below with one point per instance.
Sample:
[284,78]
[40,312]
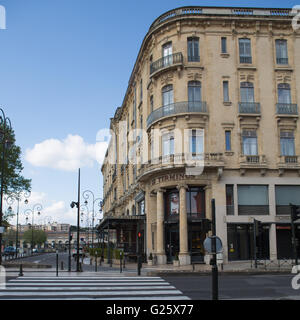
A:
[211,111]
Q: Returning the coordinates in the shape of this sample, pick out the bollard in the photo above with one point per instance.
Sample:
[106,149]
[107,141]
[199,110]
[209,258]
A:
[21,270]
[57,263]
[80,267]
[96,262]
[120,264]
[62,265]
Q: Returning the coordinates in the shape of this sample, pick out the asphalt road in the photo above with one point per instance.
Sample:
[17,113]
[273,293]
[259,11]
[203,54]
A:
[50,259]
[239,287]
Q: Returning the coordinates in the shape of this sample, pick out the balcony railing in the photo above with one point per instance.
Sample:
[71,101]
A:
[287,108]
[196,11]
[283,210]
[284,61]
[291,159]
[167,61]
[253,160]
[245,59]
[249,107]
[176,108]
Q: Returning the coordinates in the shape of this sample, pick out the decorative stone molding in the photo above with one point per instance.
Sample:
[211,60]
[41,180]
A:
[167,78]
[194,76]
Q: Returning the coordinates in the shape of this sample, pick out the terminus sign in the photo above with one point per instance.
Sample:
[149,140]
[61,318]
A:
[170,177]
[2,17]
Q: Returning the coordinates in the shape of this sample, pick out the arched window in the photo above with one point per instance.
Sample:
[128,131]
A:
[284,93]
[247,92]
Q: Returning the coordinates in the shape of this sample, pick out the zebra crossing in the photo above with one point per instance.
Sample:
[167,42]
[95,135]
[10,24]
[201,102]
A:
[90,288]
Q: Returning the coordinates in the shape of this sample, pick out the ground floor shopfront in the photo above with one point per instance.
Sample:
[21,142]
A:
[176,212]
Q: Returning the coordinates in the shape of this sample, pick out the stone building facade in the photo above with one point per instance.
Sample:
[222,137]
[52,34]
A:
[210,112]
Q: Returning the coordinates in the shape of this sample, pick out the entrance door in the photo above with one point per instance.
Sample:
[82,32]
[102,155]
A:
[172,243]
[196,239]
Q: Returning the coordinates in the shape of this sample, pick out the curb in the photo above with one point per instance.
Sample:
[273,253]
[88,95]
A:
[221,273]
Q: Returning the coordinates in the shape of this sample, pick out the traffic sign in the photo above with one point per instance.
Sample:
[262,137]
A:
[208,244]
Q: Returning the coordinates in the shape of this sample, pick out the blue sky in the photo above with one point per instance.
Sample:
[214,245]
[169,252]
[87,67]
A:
[65,66]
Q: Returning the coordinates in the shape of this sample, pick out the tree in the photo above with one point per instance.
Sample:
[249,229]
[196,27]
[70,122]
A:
[13,179]
[9,237]
[39,236]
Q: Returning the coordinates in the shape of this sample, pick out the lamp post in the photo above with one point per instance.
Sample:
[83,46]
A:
[37,207]
[10,200]
[84,213]
[5,129]
[86,195]
[77,204]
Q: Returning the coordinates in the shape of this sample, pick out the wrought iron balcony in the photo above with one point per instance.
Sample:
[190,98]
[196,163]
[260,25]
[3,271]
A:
[284,61]
[246,60]
[167,61]
[177,108]
[287,108]
[244,210]
[249,107]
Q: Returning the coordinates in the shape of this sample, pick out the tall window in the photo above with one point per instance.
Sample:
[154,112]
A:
[151,103]
[281,52]
[245,50]
[196,141]
[284,93]
[134,105]
[167,54]
[249,140]
[228,140]
[195,202]
[229,199]
[194,93]
[225,91]
[167,99]
[193,50]
[247,92]
[141,90]
[168,144]
[224,45]
[287,143]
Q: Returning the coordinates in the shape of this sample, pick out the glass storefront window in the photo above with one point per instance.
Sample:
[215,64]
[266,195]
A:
[195,198]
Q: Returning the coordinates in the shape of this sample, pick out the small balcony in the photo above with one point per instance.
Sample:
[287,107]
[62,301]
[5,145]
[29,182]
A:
[287,109]
[288,162]
[253,161]
[177,108]
[249,108]
[181,160]
[175,59]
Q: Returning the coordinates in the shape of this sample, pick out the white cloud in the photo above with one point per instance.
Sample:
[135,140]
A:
[69,154]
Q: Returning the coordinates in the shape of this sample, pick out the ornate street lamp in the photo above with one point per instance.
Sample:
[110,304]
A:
[36,208]
[5,129]
[17,196]
[86,195]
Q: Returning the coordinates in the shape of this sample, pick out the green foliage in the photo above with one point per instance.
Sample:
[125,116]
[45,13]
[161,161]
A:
[9,237]
[13,180]
[39,236]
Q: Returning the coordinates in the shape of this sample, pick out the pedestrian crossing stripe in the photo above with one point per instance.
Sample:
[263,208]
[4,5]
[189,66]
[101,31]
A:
[87,288]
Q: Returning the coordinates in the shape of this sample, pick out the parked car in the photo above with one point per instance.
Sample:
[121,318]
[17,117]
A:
[9,251]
